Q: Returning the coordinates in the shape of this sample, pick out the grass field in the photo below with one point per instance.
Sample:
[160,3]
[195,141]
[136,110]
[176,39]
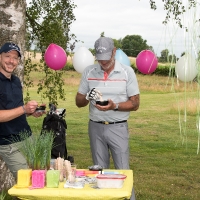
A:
[163,158]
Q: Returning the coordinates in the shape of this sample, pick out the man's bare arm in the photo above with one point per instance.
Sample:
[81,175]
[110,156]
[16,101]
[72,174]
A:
[81,101]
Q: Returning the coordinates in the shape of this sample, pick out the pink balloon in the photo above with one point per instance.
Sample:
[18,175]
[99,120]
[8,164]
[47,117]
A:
[55,57]
[146,62]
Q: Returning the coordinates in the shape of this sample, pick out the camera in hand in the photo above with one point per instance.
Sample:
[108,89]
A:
[40,109]
[102,103]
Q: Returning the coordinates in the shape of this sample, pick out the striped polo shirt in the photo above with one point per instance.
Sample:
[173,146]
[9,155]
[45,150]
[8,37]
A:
[118,86]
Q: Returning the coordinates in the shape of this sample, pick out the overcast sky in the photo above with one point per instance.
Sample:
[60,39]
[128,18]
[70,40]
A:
[118,18]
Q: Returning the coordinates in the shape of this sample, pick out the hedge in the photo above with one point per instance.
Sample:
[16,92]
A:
[161,70]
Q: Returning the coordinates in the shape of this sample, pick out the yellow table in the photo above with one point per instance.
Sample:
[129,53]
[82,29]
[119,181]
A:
[86,193]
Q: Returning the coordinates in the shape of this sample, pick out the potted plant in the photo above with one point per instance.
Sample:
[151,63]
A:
[37,151]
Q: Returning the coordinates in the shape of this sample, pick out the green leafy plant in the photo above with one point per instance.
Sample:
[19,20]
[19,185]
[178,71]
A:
[53,27]
[5,196]
[2,195]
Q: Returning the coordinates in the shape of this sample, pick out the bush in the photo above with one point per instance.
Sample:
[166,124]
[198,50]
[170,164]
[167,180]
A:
[69,67]
[160,70]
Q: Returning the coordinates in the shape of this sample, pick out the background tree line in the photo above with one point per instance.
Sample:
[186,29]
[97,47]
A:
[132,45]
[43,22]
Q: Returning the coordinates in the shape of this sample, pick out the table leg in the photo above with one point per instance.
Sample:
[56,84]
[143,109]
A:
[133,195]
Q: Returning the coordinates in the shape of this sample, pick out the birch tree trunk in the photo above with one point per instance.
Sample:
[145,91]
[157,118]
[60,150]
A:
[7,180]
[12,29]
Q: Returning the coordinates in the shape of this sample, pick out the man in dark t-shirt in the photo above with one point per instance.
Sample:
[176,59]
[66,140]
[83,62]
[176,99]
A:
[13,111]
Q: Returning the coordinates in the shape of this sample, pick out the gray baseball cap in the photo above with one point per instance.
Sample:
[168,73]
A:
[104,47]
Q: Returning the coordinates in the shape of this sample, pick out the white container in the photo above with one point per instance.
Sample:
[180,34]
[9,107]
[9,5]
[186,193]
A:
[110,180]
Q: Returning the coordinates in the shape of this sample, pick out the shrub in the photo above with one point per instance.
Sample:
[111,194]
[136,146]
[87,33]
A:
[161,70]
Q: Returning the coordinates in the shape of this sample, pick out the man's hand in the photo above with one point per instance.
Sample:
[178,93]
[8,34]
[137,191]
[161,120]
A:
[38,114]
[30,107]
[93,94]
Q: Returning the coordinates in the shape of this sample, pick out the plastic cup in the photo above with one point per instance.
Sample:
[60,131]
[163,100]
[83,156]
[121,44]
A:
[72,174]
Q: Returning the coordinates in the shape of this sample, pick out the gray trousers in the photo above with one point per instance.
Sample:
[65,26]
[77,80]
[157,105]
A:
[110,138]
[13,158]
[106,139]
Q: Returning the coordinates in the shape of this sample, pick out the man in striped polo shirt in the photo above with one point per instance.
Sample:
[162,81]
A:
[117,83]
[108,129]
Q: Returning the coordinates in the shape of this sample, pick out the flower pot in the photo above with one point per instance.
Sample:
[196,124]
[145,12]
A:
[38,178]
[52,178]
[24,177]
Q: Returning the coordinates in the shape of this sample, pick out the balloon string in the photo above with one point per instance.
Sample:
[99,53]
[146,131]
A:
[149,70]
[191,44]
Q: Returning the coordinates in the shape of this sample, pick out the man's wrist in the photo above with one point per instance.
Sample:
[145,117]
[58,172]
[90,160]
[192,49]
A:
[116,107]
[24,109]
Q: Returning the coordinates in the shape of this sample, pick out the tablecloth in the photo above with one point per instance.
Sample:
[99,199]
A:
[86,193]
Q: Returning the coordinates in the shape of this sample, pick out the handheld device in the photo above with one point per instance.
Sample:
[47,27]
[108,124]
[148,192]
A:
[40,109]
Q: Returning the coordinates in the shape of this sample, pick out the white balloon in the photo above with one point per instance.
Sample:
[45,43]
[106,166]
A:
[82,58]
[186,68]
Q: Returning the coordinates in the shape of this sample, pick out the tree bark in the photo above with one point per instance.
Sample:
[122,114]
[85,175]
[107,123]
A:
[12,29]
[7,180]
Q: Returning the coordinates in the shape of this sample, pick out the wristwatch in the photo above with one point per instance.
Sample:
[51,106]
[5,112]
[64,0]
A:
[116,107]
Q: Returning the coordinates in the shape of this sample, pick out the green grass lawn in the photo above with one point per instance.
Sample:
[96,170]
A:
[163,158]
